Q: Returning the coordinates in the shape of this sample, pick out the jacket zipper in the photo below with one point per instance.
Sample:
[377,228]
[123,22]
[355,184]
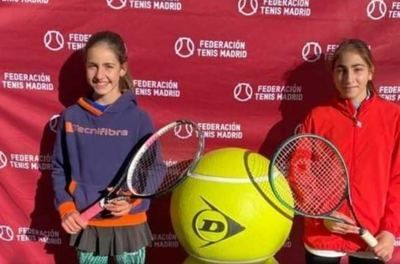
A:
[357,122]
[357,125]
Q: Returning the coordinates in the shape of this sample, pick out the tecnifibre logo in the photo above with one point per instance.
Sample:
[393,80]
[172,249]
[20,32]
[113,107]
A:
[53,40]
[98,131]
[376,9]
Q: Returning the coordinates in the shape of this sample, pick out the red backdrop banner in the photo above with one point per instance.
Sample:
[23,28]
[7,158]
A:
[246,70]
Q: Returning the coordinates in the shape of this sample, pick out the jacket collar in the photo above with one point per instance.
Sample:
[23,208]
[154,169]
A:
[346,105]
[121,103]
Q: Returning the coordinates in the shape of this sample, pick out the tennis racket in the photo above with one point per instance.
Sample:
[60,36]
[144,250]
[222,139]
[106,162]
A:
[317,177]
[160,164]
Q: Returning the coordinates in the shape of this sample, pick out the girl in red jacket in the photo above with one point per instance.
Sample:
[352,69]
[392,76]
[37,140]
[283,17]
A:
[366,130]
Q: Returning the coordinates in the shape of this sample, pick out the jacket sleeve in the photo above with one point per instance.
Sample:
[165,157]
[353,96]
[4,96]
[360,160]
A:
[146,125]
[61,172]
[391,219]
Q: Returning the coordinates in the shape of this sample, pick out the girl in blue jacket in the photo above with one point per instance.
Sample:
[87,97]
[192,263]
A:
[93,143]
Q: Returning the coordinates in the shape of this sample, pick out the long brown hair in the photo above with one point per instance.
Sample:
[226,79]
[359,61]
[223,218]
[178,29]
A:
[361,48]
[117,45]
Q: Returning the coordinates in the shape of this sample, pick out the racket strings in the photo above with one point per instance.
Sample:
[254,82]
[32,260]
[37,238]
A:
[315,174]
[165,162]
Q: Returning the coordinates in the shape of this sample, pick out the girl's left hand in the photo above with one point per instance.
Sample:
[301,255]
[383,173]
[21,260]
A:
[384,249]
[119,207]
[347,227]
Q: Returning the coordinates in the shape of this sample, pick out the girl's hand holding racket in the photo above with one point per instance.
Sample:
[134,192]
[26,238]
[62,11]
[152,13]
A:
[119,207]
[161,163]
[348,226]
[384,249]
[73,222]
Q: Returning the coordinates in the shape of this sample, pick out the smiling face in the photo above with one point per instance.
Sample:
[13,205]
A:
[103,73]
[351,75]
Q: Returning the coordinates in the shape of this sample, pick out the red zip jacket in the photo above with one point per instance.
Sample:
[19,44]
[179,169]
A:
[368,139]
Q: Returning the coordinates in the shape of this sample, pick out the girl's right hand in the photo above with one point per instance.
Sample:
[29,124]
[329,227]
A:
[73,222]
[386,242]
[347,227]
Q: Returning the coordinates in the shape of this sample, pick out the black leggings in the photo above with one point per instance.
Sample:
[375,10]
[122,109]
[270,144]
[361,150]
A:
[313,259]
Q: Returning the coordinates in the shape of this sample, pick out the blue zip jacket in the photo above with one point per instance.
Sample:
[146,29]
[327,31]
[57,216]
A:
[91,151]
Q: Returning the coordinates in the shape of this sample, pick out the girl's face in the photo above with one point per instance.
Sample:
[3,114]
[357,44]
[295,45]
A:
[351,75]
[103,72]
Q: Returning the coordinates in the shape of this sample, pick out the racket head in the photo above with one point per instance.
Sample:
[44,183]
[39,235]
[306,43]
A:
[315,172]
[165,159]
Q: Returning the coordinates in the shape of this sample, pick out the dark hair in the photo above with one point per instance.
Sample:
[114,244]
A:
[116,44]
[361,48]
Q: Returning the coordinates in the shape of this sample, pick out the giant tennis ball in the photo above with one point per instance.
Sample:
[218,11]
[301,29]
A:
[192,260]
[220,215]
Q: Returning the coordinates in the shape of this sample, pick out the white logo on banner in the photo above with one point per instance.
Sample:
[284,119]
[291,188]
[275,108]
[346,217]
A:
[268,92]
[243,92]
[297,129]
[165,240]
[169,5]
[390,92]
[211,48]
[25,161]
[47,236]
[376,9]
[53,123]
[298,8]
[53,40]
[28,81]
[248,7]
[222,130]
[6,233]
[3,160]
[157,88]
[183,131]
[32,2]
[116,4]
[184,47]
[311,51]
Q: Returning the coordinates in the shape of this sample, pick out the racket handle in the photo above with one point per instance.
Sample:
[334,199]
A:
[368,237]
[93,210]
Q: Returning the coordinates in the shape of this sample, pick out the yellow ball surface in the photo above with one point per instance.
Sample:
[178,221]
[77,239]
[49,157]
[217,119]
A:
[192,260]
[219,215]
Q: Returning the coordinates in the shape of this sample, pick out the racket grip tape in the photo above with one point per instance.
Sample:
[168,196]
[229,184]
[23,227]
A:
[368,237]
[95,209]
[92,211]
